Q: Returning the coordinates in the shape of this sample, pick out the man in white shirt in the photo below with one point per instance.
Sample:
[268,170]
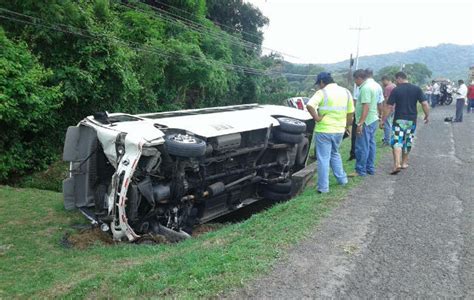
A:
[461,96]
[435,94]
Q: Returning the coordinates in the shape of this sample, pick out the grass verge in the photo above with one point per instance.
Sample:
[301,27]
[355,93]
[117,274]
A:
[34,264]
[51,179]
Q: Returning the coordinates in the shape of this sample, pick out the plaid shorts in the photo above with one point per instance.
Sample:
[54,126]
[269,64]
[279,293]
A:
[403,133]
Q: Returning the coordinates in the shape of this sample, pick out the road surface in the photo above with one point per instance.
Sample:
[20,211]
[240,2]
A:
[409,235]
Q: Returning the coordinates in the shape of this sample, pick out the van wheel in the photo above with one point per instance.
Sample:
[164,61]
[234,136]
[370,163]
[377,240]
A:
[274,196]
[286,137]
[291,125]
[302,152]
[185,145]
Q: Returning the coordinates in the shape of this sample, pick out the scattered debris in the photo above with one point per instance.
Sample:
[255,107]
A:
[88,236]
[350,249]
[205,228]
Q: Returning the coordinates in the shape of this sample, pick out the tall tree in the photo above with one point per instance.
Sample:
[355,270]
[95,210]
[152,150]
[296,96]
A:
[237,16]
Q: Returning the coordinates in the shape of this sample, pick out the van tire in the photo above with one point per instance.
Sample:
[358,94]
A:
[291,125]
[185,145]
[286,137]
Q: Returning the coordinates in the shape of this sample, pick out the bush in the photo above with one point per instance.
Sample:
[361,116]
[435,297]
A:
[27,106]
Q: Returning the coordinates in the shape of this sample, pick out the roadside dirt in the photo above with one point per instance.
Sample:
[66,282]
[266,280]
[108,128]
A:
[85,238]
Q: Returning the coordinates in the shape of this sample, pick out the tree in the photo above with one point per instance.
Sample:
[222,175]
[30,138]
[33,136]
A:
[237,16]
[417,73]
[28,104]
[78,57]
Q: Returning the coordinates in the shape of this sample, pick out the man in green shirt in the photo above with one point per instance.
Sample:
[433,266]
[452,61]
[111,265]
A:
[366,115]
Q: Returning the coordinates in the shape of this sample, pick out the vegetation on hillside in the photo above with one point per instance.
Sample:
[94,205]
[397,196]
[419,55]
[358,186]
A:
[62,60]
[445,60]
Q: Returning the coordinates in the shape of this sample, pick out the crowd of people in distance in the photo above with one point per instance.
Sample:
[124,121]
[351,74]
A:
[443,92]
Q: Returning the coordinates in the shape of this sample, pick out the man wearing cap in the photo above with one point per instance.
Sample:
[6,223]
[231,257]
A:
[366,112]
[332,109]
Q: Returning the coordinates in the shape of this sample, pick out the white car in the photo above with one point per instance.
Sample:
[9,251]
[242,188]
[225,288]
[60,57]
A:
[165,172]
[297,102]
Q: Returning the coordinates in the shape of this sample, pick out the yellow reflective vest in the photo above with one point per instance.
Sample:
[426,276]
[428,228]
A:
[334,103]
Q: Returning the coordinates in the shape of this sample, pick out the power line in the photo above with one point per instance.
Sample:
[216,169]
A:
[202,28]
[192,27]
[145,48]
[61,27]
[215,22]
[175,19]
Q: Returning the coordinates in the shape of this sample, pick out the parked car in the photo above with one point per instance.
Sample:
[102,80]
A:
[165,172]
[297,102]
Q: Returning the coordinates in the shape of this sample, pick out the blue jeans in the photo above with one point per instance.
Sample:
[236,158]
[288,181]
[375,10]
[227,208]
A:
[365,150]
[327,151]
[387,129]
[434,100]
[470,105]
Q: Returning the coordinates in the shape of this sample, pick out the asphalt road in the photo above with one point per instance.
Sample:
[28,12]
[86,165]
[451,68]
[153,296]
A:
[409,235]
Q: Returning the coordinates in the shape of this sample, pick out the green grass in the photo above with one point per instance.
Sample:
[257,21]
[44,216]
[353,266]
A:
[34,264]
[50,179]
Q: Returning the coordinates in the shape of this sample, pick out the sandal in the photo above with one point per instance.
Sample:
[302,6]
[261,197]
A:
[396,171]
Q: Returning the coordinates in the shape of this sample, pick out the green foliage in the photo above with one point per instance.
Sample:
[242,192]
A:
[417,73]
[96,55]
[28,105]
[301,85]
[50,179]
[238,16]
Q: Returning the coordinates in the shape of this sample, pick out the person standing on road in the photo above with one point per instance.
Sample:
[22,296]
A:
[404,98]
[370,78]
[386,124]
[461,98]
[470,98]
[428,92]
[332,109]
[435,94]
[366,112]
[352,155]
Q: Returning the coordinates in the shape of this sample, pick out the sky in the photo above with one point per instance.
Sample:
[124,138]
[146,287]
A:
[319,31]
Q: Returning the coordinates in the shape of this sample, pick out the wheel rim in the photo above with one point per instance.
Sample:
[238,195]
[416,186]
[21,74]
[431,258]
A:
[184,139]
[292,121]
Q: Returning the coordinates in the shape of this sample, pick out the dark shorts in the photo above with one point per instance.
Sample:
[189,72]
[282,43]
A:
[403,133]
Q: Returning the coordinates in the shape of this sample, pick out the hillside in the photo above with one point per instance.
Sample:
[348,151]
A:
[445,60]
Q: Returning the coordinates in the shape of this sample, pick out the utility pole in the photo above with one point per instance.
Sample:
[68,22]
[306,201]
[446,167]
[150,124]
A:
[359,29]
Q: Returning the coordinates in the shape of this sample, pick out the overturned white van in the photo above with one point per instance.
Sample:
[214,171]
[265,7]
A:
[165,172]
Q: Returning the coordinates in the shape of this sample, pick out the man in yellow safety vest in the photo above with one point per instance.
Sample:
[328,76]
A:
[332,108]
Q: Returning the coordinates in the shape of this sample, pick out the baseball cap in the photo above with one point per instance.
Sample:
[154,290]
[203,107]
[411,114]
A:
[323,76]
